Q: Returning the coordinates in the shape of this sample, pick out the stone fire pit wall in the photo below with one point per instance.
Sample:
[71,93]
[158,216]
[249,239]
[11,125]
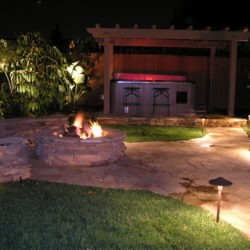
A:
[76,152]
[14,159]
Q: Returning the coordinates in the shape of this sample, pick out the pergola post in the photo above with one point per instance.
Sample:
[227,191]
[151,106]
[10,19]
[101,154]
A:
[108,70]
[232,77]
[211,78]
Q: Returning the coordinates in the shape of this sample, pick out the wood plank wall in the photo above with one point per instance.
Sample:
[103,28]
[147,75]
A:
[196,68]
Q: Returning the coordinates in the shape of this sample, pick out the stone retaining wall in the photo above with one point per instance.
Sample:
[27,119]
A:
[17,136]
[28,127]
[14,159]
[209,121]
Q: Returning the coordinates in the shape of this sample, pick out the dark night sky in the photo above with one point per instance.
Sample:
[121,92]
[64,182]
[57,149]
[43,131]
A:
[73,16]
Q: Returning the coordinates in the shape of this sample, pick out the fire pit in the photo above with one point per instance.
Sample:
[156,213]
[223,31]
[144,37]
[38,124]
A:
[77,145]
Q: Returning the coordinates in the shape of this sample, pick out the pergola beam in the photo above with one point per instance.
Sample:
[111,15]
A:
[171,43]
[202,35]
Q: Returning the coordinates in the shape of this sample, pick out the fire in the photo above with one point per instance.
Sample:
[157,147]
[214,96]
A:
[78,124]
[78,121]
[96,129]
[81,128]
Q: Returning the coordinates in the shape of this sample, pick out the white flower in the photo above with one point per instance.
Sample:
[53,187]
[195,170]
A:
[76,72]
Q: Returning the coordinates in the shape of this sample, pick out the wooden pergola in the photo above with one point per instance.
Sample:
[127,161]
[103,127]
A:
[153,37]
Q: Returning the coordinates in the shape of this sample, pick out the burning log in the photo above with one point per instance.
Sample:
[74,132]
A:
[71,131]
[83,129]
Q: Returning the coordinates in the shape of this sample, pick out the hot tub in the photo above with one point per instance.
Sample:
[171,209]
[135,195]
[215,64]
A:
[152,95]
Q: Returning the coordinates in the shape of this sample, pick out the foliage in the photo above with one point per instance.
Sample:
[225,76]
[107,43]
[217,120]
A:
[36,79]
[32,74]
[81,60]
[46,215]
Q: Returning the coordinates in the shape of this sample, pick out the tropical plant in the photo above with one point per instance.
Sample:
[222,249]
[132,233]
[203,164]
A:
[37,80]
[81,69]
[32,74]
[75,91]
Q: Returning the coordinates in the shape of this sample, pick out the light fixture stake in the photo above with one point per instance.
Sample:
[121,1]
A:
[220,182]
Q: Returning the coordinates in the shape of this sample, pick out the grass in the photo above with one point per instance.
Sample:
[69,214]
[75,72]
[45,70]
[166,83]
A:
[143,133]
[44,215]
[247,129]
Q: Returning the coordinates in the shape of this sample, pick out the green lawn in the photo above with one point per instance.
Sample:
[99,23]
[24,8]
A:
[44,215]
[142,133]
[247,129]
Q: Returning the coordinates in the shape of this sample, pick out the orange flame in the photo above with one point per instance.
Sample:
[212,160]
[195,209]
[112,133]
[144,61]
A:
[84,130]
[95,129]
[78,121]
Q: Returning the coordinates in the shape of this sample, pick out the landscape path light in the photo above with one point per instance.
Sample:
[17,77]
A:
[220,182]
[203,119]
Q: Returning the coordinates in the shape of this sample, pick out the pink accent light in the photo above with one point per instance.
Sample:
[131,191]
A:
[148,77]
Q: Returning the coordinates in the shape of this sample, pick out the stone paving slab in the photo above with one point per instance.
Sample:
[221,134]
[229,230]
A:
[180,169]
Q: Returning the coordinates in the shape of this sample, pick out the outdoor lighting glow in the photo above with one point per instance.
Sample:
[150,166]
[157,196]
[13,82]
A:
[206,145]
[233,215]
[206,141]
[244,152]
[236,217]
